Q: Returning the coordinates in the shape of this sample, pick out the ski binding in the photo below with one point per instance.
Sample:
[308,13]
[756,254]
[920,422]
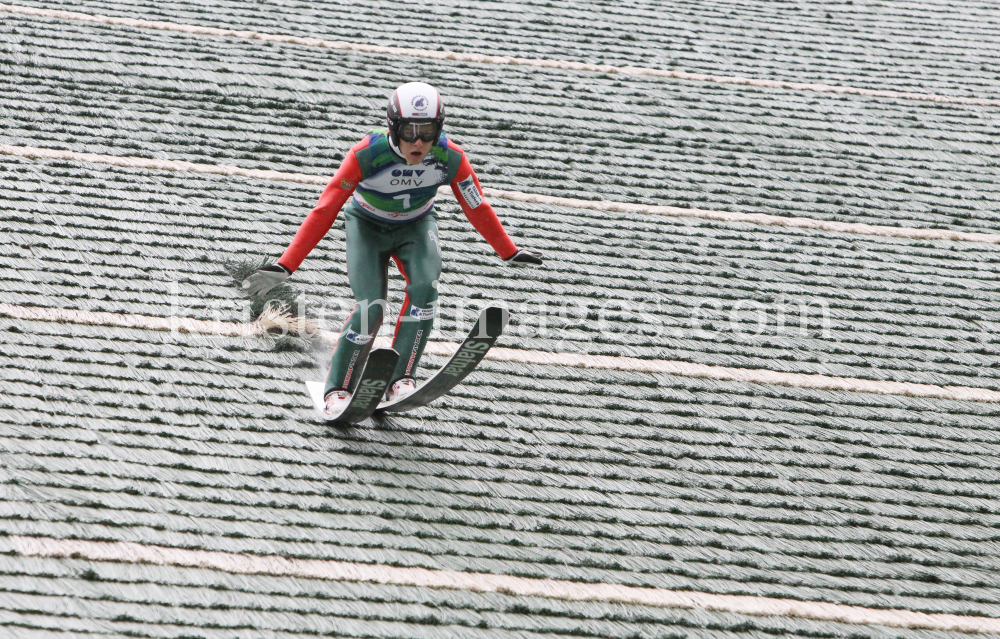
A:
[371,387]
[471,351]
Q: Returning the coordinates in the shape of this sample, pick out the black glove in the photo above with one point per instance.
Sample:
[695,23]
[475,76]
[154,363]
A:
[524,257]
[265,278]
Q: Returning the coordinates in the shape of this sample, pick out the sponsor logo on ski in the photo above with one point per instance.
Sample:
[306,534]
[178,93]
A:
[413,353]
[421,313]
[350,368]
[358,338]
[346,184]
[466,357]
[370,390]
[470,192]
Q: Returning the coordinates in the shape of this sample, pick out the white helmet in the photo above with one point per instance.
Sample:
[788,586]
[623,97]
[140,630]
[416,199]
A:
[415,103]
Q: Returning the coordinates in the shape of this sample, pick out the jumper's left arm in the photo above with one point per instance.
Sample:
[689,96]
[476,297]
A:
[469,194]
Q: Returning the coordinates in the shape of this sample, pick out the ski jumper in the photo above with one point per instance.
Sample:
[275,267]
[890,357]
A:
[389,211]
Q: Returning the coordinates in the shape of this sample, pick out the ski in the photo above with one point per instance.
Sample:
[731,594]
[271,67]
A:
[472,350]
[371,387]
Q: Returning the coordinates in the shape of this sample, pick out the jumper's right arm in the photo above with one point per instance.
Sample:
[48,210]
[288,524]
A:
[313,228]
[322,217]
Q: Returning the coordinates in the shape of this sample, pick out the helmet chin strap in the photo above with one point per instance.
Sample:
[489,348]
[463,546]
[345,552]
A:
[395,149]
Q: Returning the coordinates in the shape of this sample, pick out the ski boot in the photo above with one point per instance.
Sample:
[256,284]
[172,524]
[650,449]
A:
[336,402]
[402,387]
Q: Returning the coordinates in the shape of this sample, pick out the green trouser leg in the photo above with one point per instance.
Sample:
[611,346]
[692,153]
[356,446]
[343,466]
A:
[418,258]
[370,244]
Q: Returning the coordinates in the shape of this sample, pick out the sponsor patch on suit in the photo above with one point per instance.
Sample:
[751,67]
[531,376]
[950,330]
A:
[470,192]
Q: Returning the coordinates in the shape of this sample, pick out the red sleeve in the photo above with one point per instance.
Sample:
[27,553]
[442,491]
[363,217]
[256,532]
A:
[478,210]
[321,218]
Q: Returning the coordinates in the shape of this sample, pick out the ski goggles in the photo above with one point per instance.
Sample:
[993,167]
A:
[413,131]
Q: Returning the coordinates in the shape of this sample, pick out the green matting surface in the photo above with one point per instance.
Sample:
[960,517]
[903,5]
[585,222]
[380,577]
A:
[594,475]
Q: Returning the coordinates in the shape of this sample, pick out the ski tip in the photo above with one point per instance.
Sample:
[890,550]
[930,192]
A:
[381,356]
[494,319]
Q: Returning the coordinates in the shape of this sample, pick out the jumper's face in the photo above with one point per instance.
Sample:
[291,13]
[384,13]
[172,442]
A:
[416,139]
[415,151]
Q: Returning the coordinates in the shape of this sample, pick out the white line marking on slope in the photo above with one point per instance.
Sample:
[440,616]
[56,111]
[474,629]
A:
[161,165]
[491,59]
[446,349]
[516,196]
[754,375]
[273,565]
[172,324]
[855,228]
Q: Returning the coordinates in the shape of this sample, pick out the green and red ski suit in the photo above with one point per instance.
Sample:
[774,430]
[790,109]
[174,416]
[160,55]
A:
[389,209]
